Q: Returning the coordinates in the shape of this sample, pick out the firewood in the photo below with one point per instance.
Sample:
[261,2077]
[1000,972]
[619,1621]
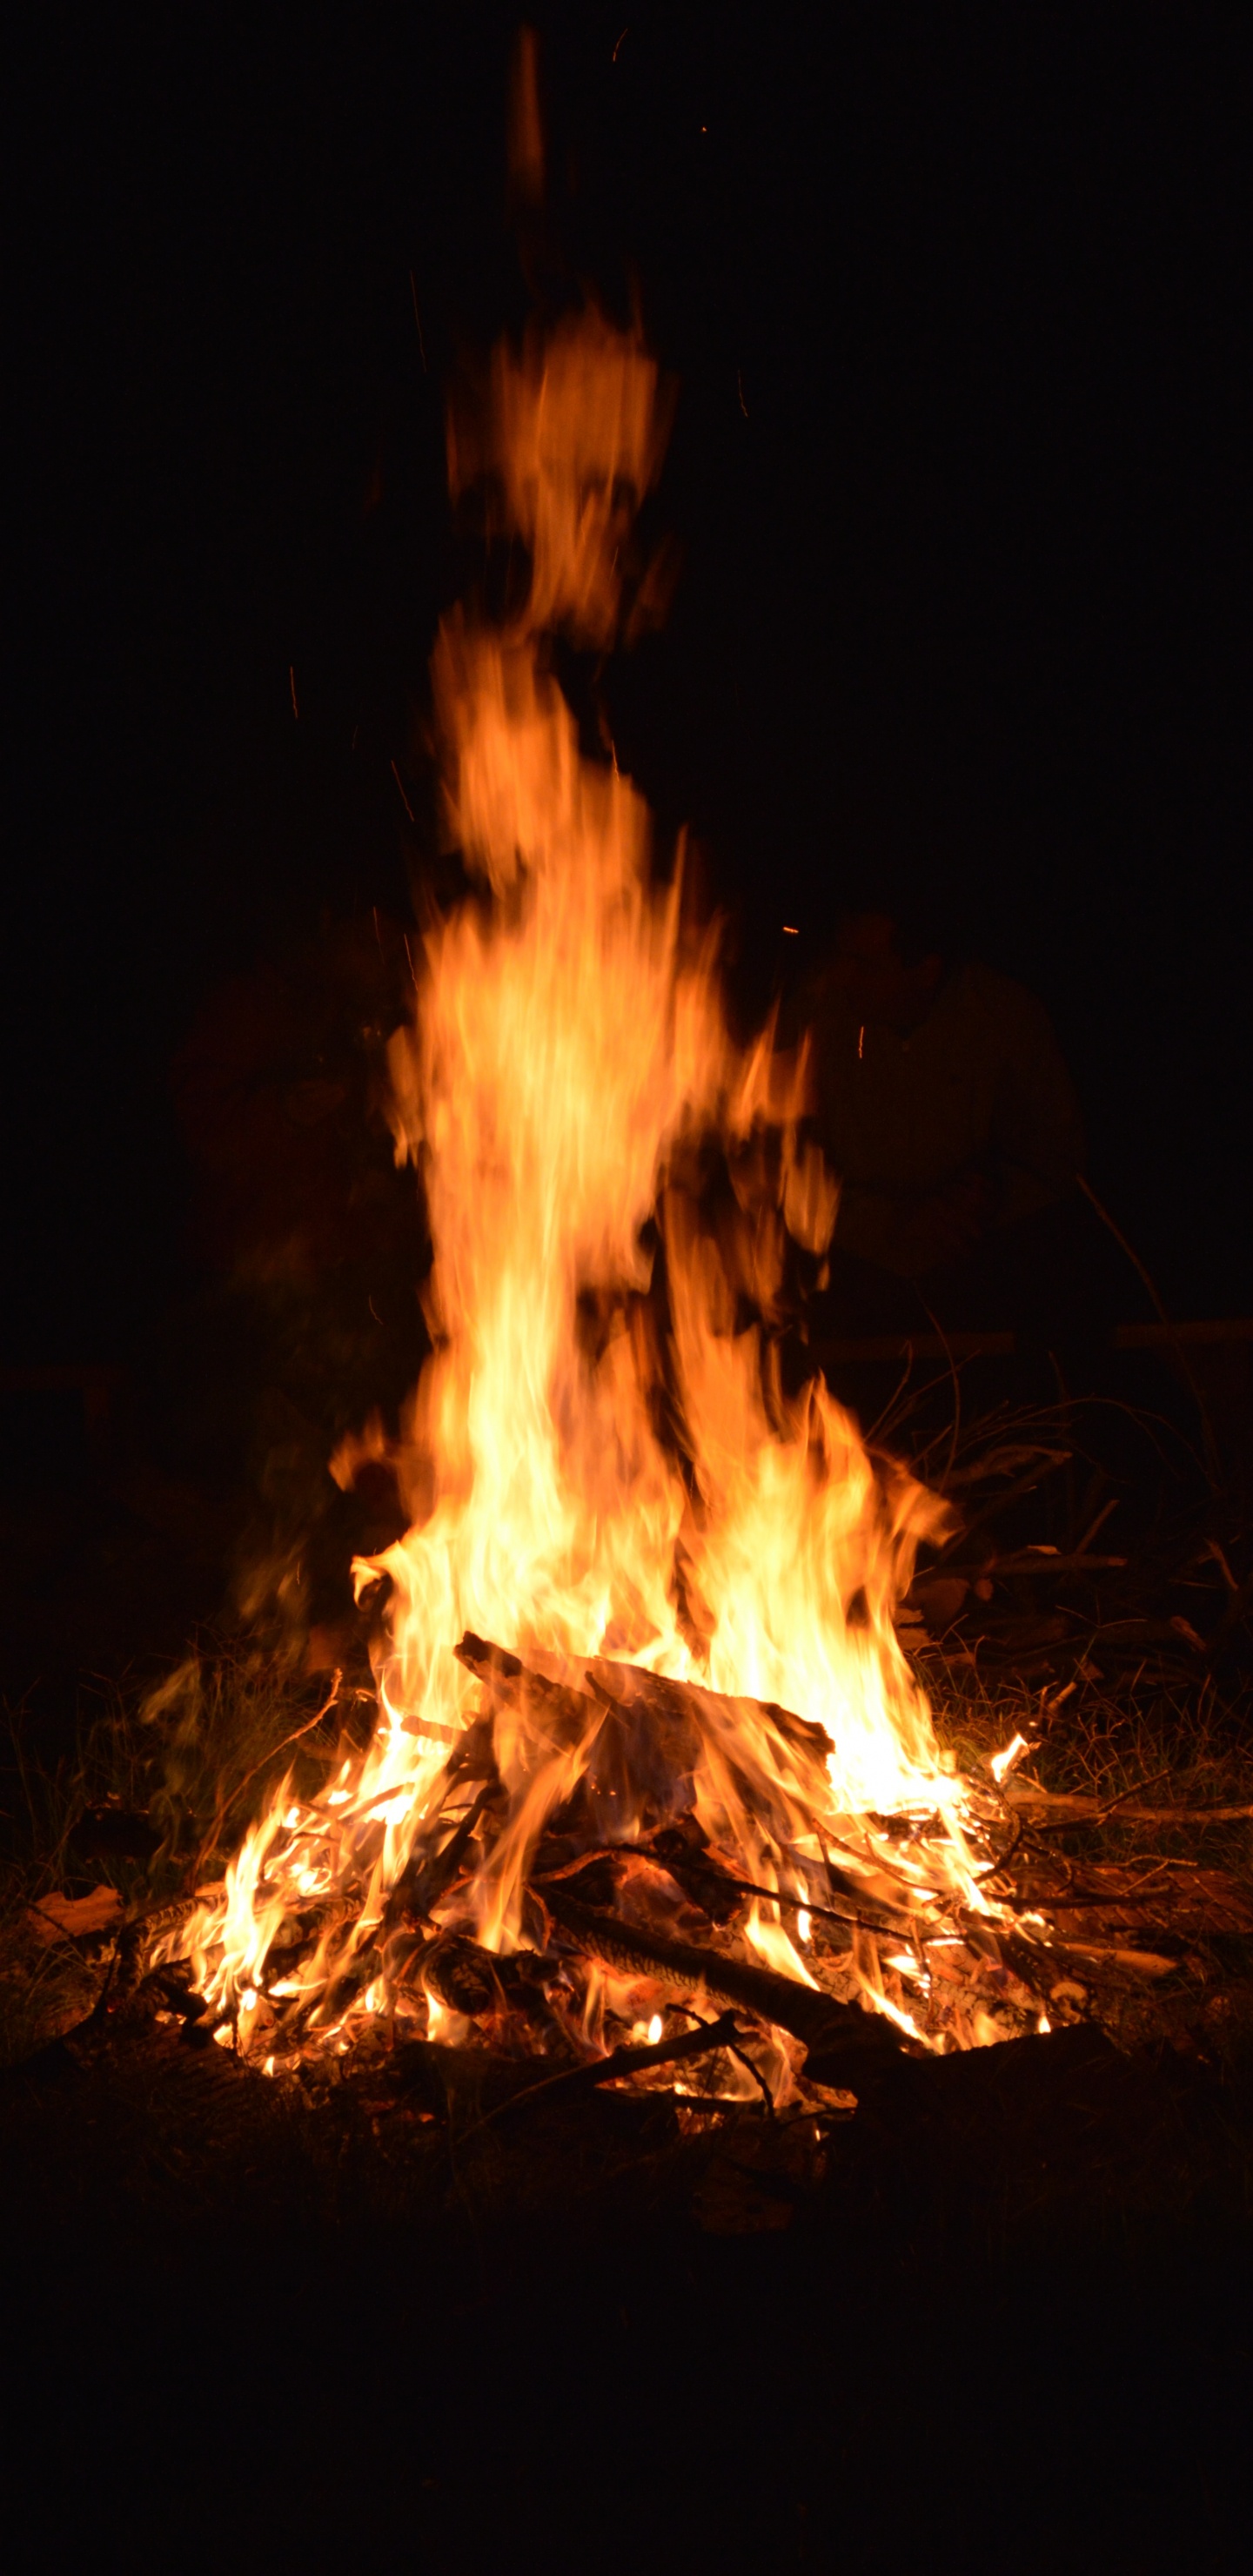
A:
[728,1892]
[653,1729]
[831,2031]
[573,2080]
[462,1976]
[478,1982]
[717,1891]
[683,1701]
[561,1712]
[1048,1807]
[427,1875]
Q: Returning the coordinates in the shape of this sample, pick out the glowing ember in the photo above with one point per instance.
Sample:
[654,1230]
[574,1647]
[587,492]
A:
[602,1471]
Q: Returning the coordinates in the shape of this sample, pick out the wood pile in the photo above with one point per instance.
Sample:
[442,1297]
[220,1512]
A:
[653,1930]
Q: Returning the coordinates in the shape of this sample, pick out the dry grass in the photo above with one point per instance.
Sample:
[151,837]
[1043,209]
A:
[176,1770]
[1184,1745]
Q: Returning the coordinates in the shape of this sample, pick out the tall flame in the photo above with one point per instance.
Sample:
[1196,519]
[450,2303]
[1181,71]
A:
[602,1468]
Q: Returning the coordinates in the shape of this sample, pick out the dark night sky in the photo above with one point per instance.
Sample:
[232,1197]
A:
[953,299]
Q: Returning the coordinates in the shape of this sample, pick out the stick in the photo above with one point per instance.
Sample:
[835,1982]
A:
[816,2019]
[620,2061]
[1087,1811]
[1212,1457]
[1040,1561]
[249,1776]
[881,1919]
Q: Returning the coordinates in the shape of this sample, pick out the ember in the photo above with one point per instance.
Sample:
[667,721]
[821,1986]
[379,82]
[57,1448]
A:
[696,1768]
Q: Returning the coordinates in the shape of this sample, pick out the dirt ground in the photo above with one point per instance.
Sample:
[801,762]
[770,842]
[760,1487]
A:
[999,2314]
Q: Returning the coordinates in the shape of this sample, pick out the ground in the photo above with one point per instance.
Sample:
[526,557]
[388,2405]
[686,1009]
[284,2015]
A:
[1000,2313]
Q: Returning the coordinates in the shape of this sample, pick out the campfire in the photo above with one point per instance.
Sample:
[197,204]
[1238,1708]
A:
[653,1791]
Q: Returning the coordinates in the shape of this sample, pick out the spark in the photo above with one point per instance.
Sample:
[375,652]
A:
[791,930]
[861,1044]
[291,674]
[403,798]
[621,42]
[739,374]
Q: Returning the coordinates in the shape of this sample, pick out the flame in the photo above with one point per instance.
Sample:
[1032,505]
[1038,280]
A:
[602,1467]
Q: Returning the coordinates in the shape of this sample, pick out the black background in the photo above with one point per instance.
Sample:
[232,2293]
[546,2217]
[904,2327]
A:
[954,301]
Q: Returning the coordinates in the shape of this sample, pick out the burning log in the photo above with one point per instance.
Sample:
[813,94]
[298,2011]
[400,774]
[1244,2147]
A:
[512,1685]
[644,1750]
[480,1983]
[428,1877]
[837,2036]
[720,1894]
[570,2081]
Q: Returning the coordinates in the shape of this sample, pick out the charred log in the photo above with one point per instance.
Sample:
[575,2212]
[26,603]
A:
[831,2031]
[428,1875]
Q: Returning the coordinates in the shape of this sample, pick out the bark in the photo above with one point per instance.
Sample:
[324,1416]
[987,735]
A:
[829,2030]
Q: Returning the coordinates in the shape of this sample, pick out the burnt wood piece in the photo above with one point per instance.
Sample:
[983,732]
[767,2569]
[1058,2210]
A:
[556,1709]
[463,1977]
[717,1892]
[449,2079]
[639,1752]
[475,1981]
[134,1946]
[631,1688]
[728,1892]
[688,1701]
[169,1990]
[428,1875]
[473,1756]
[664,1730]
[832,2032]
[572,2080]
[653,1733]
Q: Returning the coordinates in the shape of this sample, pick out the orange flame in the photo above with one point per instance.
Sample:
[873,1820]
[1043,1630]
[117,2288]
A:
[565,1081]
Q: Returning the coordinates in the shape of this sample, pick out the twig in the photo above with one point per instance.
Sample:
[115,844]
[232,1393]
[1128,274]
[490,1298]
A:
[1041,1560]
[249,1776]
[1124,1794]
[1017,1830]
[881,1920]
[1099,1523]
[722,2033]
[1207,1428]
[1086,1811]
[740,2053]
